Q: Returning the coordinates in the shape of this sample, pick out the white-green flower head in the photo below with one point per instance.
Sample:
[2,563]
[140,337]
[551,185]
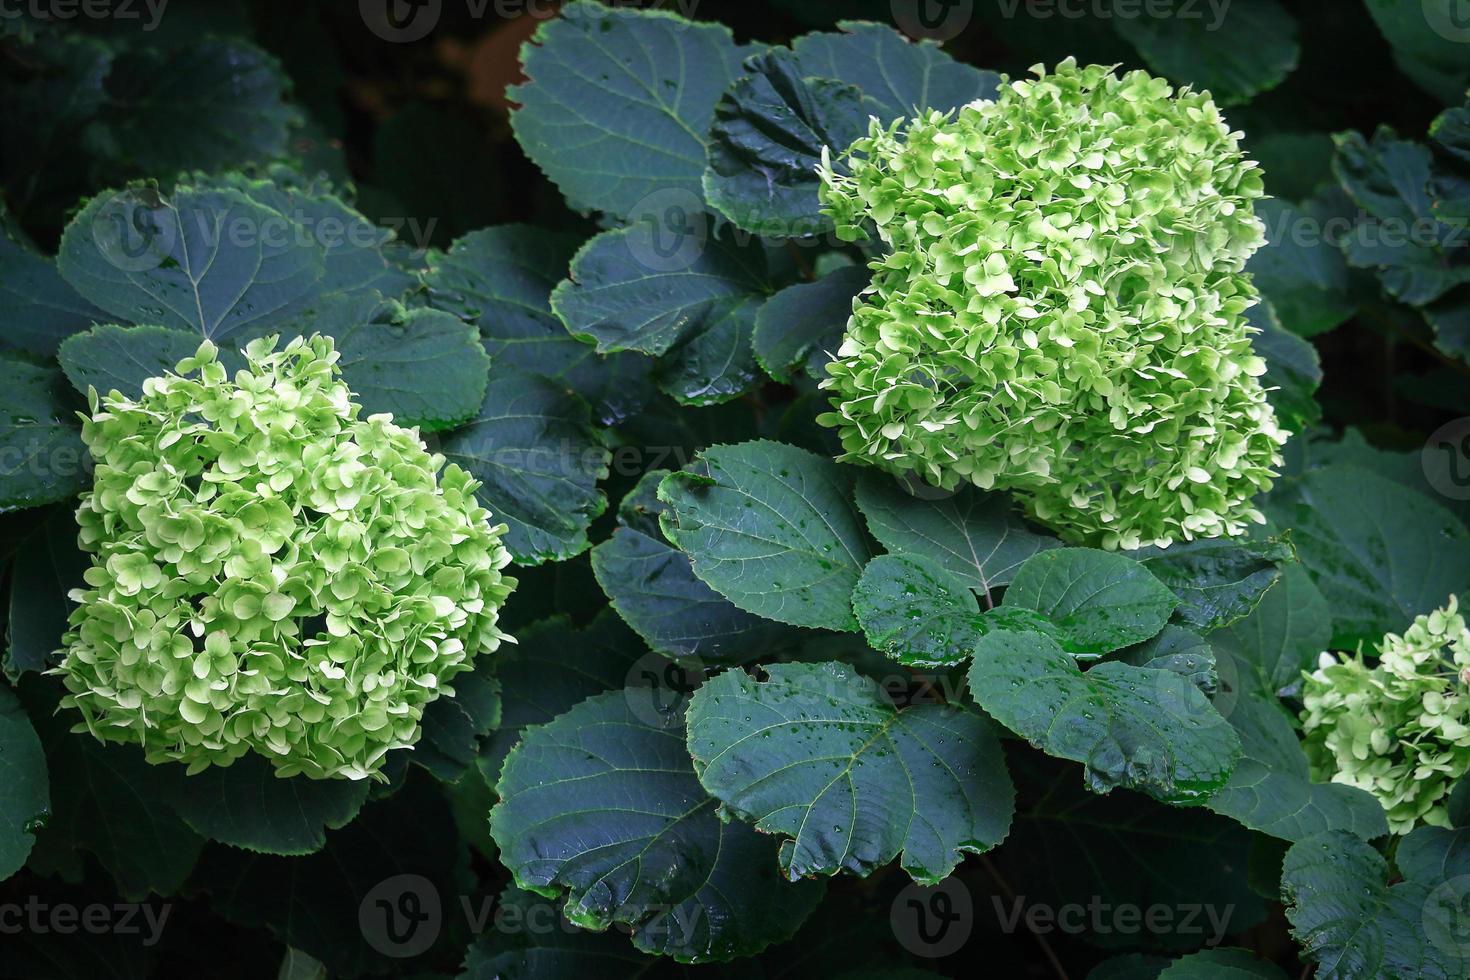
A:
[1060,309]
[1400,728]
[272,573]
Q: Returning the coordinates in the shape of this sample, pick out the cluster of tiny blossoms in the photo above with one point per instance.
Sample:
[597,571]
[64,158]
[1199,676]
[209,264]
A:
[271,572]
[1399,729]
[1060,309]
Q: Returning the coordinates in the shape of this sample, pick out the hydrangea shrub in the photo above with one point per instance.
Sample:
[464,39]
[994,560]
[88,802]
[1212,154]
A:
[1061,307]
[270,572]
[1400,728]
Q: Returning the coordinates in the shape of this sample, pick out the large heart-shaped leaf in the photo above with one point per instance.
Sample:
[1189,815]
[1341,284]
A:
[821,756]
[601,808]
[619,102]
[209,259]
[771,528]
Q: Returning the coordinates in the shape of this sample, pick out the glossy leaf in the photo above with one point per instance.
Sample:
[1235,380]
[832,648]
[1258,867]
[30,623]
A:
[821,757]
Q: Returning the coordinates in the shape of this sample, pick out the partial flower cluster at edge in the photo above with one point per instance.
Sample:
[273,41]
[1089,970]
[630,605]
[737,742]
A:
[1400,728]
[1060,309]
[271,573]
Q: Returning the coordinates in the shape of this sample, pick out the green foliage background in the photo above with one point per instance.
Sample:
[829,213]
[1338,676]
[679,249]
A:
[631,236]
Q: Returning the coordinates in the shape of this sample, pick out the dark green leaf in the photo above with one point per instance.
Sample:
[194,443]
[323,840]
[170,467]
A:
[41,450]
[1271,790]
[602,807]
[1300,273]
[630,291]
[38,310]
[1222,964]
[427,368]
[801,327]
[1399,235]
[1352,924]
[501,279]
[619,102]
[821,756]
[1183,651]
[48,566]
[718,363]
[1139,728]
[1380,553]
[903,77]
[974,535]
[539,458]
[1218,581]
[920,616]
[453,725]
[247,805]
[202,259]
[654,589]
[772,528]
[1293,371]
[117,358]
[1235,51]
[553,667]
[25,796]
[1428,40]
[1290,627]
[1100,601]
[210,104]
[766,144]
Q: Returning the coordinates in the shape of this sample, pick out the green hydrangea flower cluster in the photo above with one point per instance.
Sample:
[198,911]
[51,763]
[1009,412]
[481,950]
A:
[271,572]
[1400,728]
[1060,310]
